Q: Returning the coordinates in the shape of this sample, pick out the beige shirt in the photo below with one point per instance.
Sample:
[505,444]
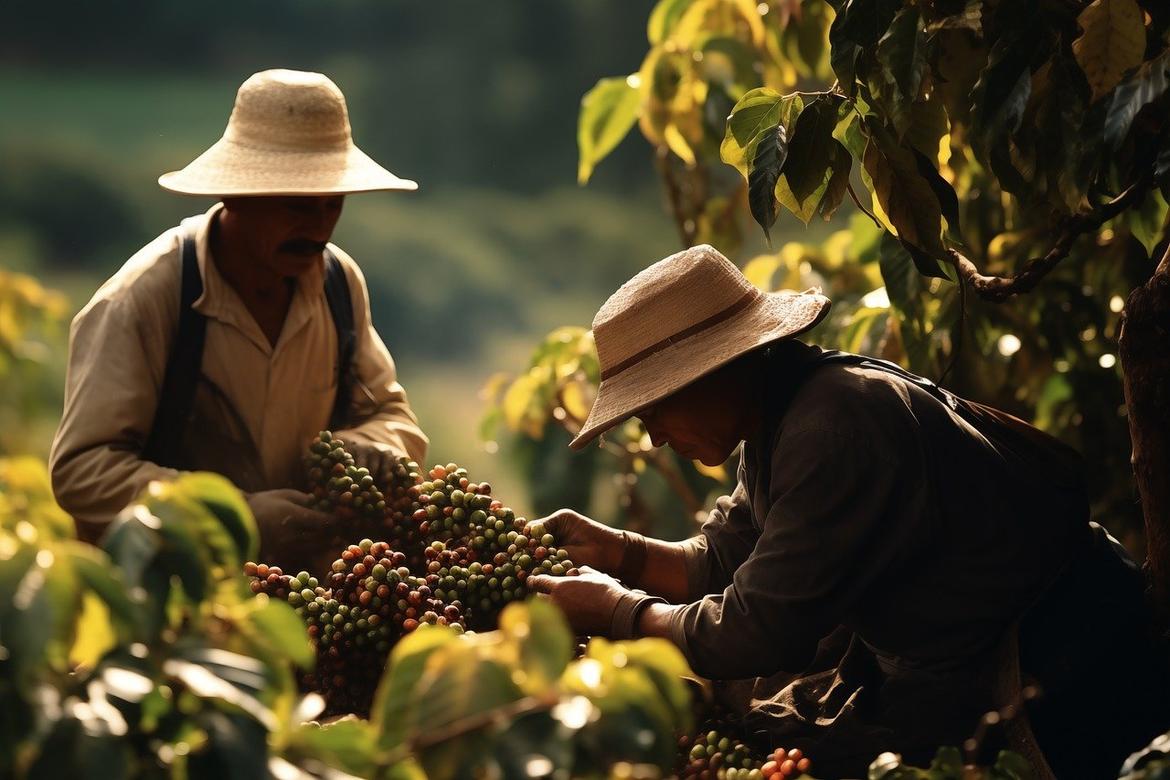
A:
[257,405]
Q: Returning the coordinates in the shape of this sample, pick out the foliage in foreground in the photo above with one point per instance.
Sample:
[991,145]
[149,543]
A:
[152,658]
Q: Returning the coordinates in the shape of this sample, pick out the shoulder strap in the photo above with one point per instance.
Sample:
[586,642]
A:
[1014,438]
[177,395]
[341,307]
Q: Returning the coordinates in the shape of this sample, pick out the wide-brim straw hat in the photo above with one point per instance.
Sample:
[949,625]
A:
[679,320]
[288,134]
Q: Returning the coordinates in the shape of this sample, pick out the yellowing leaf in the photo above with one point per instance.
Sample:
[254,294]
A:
[760,271]
[577,399]
[95,636]
[663,19]
[608,111]
[674,139]
[1112,42]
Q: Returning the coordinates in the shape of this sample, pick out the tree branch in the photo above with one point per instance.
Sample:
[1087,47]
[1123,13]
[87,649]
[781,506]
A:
[674,196]
[998,289]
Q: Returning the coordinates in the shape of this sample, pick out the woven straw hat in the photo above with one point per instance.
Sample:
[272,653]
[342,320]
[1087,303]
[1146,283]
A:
[288,135]
[678,321]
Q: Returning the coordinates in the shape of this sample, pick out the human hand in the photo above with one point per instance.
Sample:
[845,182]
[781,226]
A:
[588,542]
[594,603]
[377,457]
[294,536]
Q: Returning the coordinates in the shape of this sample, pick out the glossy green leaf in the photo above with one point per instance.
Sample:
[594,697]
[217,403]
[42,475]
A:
[278,626]
[348,744]
[1001,93]
[395,695]
[1149,84]
[767,163]
[543,641]
[608,111]
[756,112]
[225,502]
[460,684]
[811,147]
[236,747]
[902,64]
[815,160]
[858,26]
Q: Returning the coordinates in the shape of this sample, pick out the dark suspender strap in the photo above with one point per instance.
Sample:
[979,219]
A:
[341,307]
[177,395]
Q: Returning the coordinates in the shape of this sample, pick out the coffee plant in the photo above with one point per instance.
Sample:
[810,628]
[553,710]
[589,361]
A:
[452,556]
[165,654]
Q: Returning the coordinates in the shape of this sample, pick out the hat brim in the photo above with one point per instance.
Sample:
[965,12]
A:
[232,169]
[774,316]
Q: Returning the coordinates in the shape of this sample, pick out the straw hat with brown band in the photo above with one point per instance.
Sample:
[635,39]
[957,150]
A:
[288,134]
[679,320]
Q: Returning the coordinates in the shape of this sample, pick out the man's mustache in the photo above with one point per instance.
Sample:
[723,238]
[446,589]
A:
[303,246]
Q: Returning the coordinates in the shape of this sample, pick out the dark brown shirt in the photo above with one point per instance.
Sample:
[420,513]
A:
[868,502]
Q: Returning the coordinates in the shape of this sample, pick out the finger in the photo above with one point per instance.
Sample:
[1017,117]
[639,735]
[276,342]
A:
[291,495]
[541,583]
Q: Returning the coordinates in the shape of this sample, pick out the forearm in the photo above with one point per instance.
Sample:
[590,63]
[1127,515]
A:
[665,571]
[94,484]
[656,620]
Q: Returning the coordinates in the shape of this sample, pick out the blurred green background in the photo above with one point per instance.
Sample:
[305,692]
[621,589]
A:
[477,102]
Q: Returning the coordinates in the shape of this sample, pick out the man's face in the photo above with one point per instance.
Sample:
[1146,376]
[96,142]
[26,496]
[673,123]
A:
[285,234]
[695,421]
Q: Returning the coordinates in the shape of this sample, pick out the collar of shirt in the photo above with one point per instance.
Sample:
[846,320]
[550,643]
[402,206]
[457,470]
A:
[220,301]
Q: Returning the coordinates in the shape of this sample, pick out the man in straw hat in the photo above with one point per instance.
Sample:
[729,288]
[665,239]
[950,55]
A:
[886,550]
[229,341]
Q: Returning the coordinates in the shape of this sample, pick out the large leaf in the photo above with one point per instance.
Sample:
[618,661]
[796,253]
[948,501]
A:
[906,198]
[608,111]
[225,502]
[756,112]
[811,147]
[278,626]
[104,580]
[948,200]
[663,19]
[348,744]
[902,59]
[1150,83]
[1112,42]
[543,641]
[858,26]
[395,695]
[815,160]
[838,183]
[1001,94]
[462,684]
[767,163]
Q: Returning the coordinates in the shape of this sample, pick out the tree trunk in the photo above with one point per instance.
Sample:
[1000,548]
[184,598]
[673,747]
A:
[1144,346]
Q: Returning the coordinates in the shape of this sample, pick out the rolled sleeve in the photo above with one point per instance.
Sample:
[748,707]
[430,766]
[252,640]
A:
[826,536]
[380,405]
[724,543]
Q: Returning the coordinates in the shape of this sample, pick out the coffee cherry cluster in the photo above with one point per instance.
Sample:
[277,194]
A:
[716,754]
[453,556]
[269,580]
[338,485]
[372,602]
